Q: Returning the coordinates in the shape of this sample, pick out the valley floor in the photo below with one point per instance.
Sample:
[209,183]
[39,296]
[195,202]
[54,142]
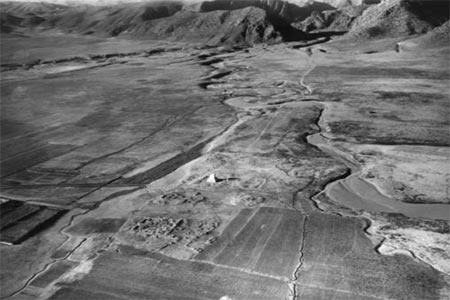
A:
[156,170]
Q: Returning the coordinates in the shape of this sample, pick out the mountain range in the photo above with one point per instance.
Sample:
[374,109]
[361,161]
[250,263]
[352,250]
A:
[334,3]
[228,21]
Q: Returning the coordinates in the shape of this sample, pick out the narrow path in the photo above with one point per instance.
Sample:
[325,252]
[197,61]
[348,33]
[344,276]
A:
[263,131]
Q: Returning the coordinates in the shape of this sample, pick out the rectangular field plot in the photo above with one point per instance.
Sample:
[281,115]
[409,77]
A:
[154,276]
[21,220]
[21,212]
[267,241]
[54,195]
[32,157]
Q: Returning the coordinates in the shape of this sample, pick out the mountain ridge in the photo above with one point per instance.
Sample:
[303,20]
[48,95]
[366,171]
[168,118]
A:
[249,22]
[247,25]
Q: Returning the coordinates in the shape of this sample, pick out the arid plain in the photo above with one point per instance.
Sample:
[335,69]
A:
[155,169]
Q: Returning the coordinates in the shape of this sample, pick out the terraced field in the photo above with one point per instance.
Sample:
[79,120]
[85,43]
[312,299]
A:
[19,220]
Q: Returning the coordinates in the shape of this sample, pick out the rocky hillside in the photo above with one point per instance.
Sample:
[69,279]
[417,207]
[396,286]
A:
[110,20]
[242,26]
[393,18]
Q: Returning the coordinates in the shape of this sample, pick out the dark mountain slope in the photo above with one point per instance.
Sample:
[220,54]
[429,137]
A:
[9,22]
[287,11]
[436,38]
[17,15]
[242,26]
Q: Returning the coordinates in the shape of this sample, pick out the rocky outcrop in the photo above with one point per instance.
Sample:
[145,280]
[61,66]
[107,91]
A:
[393,18]
[387,19]
[331,20]
[338,3]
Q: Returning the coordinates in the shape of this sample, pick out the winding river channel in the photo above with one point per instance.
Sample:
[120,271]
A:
[355,192]
[358,194]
